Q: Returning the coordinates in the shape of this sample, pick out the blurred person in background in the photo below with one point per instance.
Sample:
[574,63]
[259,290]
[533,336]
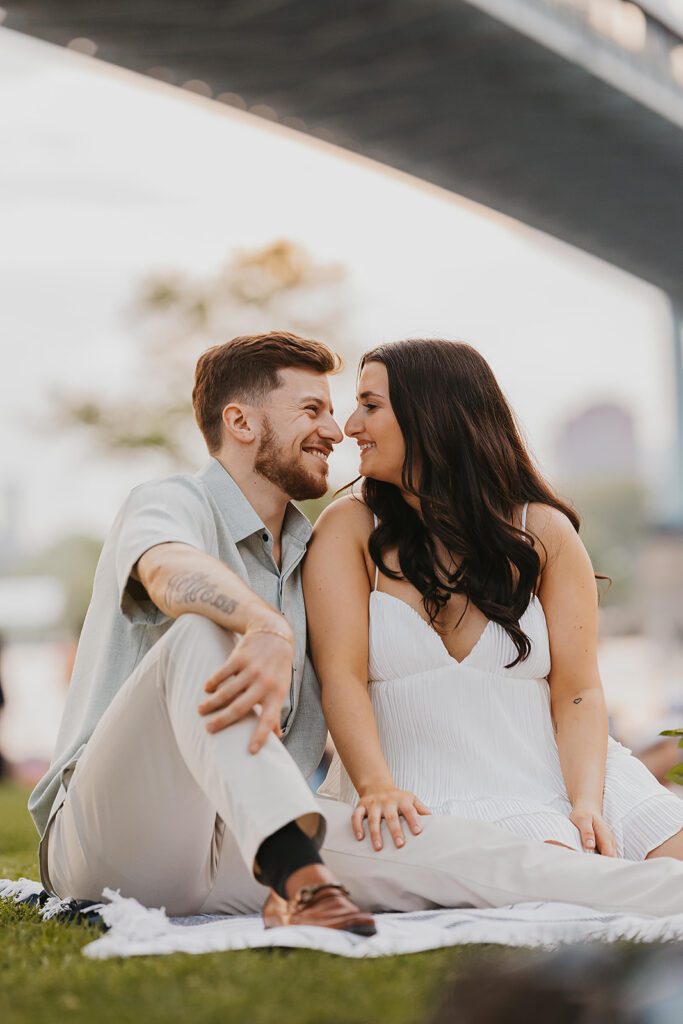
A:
[455,627]
[586,984]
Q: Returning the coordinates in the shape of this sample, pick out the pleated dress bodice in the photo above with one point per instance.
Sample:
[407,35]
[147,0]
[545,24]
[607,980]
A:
[457,732]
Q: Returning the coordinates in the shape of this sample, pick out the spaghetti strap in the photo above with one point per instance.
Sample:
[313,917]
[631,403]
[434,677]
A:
[524,516]
[376,567]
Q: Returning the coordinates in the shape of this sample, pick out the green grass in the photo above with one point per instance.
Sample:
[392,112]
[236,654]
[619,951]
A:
[44,978]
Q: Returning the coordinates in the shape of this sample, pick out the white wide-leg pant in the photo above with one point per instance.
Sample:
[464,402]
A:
[173,816]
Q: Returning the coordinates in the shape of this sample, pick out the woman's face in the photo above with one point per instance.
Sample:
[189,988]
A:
[375,429]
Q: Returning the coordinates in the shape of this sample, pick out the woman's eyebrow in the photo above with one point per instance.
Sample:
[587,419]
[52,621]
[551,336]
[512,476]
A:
[369,394]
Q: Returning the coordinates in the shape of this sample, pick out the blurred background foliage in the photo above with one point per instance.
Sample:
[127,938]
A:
[175,317]
[614,519]
[72,561]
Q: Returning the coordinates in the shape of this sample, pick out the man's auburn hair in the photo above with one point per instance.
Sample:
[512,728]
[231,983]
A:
[246,369]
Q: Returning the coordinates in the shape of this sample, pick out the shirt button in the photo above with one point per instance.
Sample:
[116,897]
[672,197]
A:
[265,537]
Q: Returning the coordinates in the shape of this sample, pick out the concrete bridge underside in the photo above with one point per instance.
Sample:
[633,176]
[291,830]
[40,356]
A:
[437,88]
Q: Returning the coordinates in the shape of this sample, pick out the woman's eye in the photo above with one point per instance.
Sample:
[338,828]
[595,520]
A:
[369,406]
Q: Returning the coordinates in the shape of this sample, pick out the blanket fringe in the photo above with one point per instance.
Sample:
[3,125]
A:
[54,906]
[21,889]
[131,920]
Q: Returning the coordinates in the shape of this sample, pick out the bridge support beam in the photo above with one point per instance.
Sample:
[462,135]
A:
[677,346]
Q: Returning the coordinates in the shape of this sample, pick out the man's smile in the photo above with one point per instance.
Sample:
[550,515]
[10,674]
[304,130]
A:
[320,453]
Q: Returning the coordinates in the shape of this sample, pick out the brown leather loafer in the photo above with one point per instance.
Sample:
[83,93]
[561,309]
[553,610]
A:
[325,906]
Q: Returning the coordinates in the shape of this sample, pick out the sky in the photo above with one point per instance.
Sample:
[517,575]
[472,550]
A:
[106,176]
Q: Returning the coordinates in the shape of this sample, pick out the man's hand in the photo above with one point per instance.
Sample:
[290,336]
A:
[258,674]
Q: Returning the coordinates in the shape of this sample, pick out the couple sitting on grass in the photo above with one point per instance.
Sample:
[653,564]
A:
[450,616]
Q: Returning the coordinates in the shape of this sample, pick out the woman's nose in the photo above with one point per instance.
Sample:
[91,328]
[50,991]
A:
[352,425]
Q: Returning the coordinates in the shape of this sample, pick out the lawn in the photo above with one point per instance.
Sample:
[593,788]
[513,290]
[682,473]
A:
[44,977]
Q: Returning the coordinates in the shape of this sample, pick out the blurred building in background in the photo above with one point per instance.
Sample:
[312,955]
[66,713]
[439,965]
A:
[598,444]
[599,469]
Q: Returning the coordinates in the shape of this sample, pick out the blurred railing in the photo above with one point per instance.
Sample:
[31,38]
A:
[637,47]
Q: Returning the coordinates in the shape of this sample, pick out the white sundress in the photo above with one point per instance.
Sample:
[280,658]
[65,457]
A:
[474,739]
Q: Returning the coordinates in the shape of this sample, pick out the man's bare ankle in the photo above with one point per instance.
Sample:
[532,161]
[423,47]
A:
[312,874]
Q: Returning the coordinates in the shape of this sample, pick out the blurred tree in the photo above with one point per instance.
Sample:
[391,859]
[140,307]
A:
[314,506]
[614,522]
[72,561]
[176,317]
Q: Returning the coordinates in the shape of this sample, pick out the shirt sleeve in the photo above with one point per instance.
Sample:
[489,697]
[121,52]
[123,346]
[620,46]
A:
[158,512]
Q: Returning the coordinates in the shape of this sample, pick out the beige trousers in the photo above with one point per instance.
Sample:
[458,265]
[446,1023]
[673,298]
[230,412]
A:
[173,816]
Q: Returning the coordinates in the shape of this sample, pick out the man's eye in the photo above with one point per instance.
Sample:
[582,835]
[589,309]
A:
[313,408]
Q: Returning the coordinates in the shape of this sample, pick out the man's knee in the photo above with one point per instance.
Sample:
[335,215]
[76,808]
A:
[193,648]
[191,628]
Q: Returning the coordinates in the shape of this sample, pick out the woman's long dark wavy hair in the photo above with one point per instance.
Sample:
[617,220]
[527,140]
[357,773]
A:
[467,463]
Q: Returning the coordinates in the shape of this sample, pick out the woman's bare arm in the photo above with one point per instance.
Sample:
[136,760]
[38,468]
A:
[569,597]
[337,591]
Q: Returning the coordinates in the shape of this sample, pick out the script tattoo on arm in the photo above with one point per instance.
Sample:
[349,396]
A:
[195,588]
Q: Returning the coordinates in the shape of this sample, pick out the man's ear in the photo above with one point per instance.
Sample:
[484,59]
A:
[239,423]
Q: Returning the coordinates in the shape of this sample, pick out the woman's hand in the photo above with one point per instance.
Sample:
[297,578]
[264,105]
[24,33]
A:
[596,835]
[388,803]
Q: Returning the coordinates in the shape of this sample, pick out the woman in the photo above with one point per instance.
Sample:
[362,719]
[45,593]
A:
[453,623]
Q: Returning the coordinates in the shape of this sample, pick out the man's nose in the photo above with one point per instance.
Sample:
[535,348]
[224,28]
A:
[332,431]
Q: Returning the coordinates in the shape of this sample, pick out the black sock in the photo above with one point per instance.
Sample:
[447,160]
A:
[283,853]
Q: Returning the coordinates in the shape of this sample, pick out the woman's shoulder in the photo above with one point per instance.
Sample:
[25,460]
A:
[339,543]
[550,525]
[348,513]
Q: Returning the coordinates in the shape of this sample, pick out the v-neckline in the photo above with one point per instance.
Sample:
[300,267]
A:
[430,629]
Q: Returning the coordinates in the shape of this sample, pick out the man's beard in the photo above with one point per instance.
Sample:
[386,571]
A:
[286,473]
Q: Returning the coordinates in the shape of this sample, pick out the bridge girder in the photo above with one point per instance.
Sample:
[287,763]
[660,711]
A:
[437,88]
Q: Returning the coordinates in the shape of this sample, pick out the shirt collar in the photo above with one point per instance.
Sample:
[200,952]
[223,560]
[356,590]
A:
[297,525]
[240,516]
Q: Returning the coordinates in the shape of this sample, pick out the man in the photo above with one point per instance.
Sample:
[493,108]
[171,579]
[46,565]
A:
[166,765]
[169,780]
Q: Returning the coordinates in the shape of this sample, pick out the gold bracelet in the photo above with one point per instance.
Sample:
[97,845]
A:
[273,632]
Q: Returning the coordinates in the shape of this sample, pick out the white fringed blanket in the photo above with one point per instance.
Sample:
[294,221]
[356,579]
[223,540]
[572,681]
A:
[137,931]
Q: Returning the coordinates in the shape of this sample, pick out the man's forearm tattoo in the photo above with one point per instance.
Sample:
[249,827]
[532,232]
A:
[577,700]
[196,588]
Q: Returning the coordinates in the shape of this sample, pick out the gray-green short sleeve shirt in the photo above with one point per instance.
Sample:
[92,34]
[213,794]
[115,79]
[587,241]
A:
[159,512]
[209,512]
